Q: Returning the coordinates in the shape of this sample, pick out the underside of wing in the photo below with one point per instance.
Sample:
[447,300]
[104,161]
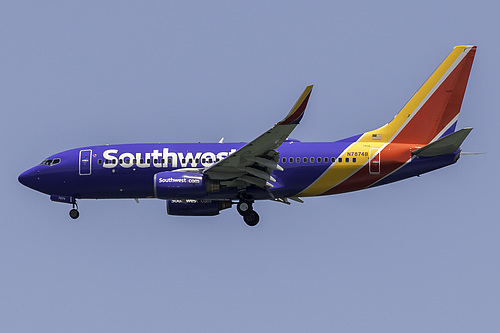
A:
[253,163]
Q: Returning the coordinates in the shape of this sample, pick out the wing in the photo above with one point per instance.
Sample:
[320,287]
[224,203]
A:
[253,163]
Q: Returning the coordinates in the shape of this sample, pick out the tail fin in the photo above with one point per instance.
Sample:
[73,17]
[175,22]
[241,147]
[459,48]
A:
[433,111]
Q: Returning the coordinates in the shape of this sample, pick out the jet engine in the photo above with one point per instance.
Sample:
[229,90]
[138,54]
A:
[183,185]
[196,207]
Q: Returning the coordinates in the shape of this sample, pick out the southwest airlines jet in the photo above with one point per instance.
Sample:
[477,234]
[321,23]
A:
[201,179]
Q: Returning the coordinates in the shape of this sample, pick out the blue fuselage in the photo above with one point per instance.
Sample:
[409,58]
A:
[127,170]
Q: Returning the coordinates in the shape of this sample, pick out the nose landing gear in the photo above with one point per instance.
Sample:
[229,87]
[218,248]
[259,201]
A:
[74,213]
[67,199]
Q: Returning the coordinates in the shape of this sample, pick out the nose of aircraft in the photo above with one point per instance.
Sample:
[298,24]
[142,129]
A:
[28,178]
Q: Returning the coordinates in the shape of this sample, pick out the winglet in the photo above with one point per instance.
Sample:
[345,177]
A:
[296,113]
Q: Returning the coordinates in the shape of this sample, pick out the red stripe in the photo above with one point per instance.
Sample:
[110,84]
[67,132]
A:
[391,158]
[440,108]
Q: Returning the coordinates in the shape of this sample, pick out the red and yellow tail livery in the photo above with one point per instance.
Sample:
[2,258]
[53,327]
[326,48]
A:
[430,114]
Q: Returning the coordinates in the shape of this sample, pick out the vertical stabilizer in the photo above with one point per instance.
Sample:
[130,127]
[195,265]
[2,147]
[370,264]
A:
[434,109]
[430,114]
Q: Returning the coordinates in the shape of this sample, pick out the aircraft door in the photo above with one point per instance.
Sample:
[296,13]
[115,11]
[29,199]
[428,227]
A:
[374,164]
[85,162]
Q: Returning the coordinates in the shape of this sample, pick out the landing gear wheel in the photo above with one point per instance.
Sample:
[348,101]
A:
[74,214]
[251,219]
[244,208]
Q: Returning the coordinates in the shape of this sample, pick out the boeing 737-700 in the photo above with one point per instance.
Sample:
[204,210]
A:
[202,179]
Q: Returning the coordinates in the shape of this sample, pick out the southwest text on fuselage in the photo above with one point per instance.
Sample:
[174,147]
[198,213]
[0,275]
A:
[162,159]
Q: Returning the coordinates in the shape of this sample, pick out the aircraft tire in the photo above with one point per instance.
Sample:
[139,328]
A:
[251,219]
[74,214]
[244,208]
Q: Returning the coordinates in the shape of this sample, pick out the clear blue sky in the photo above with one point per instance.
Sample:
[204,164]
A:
[421,255]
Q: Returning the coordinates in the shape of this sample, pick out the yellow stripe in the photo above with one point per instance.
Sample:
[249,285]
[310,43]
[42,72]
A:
[388,131]
[340,171]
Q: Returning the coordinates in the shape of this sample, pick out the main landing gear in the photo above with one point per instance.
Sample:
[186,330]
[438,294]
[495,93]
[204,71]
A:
[244,207]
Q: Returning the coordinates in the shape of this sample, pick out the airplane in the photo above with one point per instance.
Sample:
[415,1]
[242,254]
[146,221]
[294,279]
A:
[202,179]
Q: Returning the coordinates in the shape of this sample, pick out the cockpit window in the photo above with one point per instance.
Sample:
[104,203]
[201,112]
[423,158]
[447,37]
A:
[50,162]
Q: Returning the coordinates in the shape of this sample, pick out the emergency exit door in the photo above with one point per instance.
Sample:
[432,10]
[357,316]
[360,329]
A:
[374,164]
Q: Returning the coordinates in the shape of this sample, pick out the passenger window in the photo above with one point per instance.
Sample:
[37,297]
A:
[283,160]
[340,159]
[333,159]
[354,159]
[121,161]
[290,160]
[162,161]
[304,160]
[99,161]
[347,159]
[318,160]
[311,160]
[297,160]
[325,160]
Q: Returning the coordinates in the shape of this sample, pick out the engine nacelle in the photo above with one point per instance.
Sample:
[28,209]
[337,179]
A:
[196,207]
[183,185]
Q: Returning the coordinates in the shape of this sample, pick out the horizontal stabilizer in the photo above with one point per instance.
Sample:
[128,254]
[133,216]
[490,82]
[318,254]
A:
[446,145]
